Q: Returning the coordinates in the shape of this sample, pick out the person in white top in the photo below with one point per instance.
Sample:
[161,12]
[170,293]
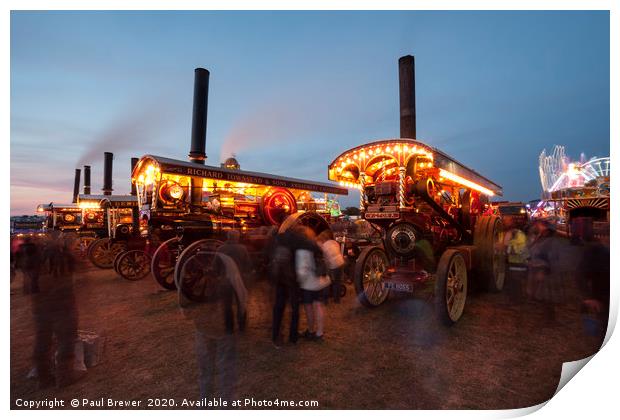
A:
[334,261]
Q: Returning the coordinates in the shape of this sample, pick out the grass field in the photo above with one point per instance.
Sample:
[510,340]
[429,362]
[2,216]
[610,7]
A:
[396,356]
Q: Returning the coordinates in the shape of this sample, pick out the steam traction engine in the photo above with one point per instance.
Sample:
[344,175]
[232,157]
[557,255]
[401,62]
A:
[111,216]
[430,210]
[194,205]
[186,208]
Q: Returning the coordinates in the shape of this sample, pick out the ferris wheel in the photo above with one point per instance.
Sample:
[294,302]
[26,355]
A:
[595,168]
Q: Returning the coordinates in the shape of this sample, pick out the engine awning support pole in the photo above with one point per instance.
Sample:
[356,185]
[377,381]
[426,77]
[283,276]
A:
[401,187]
[362,180]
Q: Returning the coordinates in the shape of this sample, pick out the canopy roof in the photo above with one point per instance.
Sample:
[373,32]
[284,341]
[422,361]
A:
[371,157]
[183,168]
[51,206]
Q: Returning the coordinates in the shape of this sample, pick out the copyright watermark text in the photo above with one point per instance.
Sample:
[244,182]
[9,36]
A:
[160,403]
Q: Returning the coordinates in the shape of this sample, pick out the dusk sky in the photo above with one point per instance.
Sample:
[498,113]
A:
[289,91]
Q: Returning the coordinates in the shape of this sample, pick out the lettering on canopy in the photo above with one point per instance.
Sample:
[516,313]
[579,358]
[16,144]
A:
[249,178]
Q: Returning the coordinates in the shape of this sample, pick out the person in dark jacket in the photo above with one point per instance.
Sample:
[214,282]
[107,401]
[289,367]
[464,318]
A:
[284,280]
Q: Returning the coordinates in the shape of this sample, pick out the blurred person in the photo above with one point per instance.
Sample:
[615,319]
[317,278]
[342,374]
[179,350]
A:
[333,260]
[283,275]
[55,314]
[543,284]
[28,260]
[594,277]
[16,242]
[214,323]
[313,280]
[239,253]
[517,254]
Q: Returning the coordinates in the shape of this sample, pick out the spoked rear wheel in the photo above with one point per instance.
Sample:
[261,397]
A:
[451,286]
[163,262]
[134,264]
[490,252]
[310,219]
[369,269]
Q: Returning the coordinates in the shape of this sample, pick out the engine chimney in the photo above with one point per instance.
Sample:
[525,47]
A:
[199,116]
[86,179]
[134,162]
[406,77]
[107,173]
[76,185]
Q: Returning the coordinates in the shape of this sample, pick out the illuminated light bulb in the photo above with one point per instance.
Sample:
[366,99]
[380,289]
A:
[341,183]
[343,164]
[362,155]
[378,151]
[387,149]
[355,156]
[406,148]
[348,160]
[370,152]
[397,148]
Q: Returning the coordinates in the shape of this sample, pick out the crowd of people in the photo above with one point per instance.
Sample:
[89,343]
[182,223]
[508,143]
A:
[305,270]
[538,272]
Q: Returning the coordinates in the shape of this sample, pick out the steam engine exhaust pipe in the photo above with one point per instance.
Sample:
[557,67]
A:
[86,179]
[108,158]
[406,78]
[134,162]
[199,116]
[76,185]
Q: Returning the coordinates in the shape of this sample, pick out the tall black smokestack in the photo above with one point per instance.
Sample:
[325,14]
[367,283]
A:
[107,173]
[406,77]
[76,185]
[199,116]
[134,162]
[86,179]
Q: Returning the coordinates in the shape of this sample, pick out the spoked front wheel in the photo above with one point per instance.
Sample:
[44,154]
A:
[134,264]
[199,276]
[103,251]
[163,262]
[203,245]
[451,286]
[370,267]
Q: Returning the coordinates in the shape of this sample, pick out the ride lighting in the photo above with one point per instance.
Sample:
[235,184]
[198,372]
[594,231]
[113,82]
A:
[465,182]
